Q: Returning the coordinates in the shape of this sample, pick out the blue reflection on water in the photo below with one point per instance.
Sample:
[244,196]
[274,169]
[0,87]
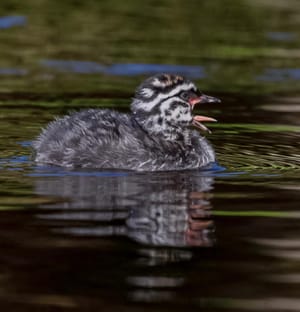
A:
[213,170]
[13,72]
[138,69]
[61,172]
[130,69]
[281,36]
[14,159]
[11,21]
[280,74]
[22,162]
[216,170]
[79,67]
[25,143]
[14,162]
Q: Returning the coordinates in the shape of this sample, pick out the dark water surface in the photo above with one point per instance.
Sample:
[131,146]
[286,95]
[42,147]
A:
[223,238]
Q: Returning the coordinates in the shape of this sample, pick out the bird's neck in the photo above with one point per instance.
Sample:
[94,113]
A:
[157,127]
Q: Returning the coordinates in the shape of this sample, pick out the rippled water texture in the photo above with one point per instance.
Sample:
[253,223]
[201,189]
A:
[222,238]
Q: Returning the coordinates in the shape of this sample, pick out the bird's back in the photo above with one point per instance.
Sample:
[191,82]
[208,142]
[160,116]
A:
[89,138]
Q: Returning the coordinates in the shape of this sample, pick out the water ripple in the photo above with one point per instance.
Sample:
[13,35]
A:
[259,148]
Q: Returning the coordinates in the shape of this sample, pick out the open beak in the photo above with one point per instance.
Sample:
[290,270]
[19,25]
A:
[197,120]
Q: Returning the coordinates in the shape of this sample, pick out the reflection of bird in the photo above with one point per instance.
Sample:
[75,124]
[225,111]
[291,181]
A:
[156,136]
[171,209]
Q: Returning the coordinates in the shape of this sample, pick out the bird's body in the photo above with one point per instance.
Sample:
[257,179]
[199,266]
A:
[155,136]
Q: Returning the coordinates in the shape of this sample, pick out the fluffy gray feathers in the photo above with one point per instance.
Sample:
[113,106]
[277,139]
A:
[155,136]
[108,139]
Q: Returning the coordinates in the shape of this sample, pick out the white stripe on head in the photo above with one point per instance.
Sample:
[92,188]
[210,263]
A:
[161,96]
[147,92]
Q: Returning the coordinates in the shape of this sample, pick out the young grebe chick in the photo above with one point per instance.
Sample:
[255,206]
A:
[158,134]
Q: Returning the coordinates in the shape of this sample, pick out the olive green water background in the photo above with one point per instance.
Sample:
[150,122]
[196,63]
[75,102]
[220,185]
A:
[225,238]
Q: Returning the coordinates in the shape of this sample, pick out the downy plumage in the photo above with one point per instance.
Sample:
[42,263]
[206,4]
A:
[157,135]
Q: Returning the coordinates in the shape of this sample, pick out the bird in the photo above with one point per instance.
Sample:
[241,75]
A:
[159,134]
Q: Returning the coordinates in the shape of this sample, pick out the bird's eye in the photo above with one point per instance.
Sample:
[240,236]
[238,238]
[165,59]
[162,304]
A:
[184,95]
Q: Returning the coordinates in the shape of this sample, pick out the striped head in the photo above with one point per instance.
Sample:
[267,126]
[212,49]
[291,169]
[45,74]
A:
[163,104]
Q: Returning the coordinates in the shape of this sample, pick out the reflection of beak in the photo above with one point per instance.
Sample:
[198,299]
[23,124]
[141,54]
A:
[203,99]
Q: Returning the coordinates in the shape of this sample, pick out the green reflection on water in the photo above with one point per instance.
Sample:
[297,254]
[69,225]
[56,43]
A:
[229,38]
[257,213]
[236,128]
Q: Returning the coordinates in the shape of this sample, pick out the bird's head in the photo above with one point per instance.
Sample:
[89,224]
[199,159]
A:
[163,105]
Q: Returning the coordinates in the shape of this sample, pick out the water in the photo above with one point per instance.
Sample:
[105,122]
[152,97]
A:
[222,238]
